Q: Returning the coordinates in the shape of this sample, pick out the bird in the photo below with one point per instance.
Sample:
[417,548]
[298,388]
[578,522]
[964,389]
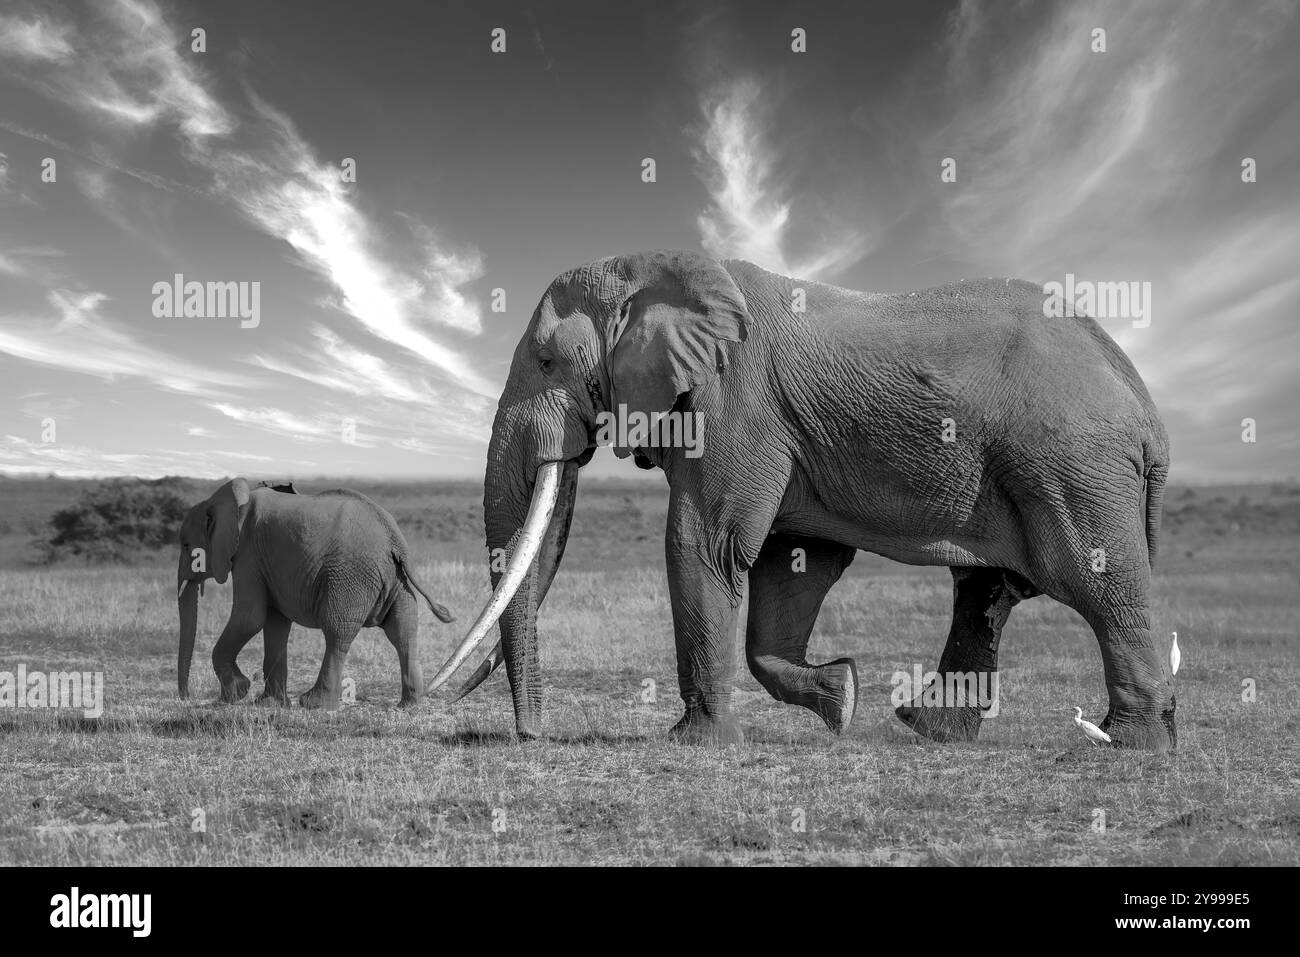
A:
[1094,733]
[1175,656]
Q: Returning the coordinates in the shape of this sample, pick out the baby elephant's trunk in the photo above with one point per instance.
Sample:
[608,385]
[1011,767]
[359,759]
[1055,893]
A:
[187,601]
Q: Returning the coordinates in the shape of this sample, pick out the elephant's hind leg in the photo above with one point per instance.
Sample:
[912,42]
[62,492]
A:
[402,628]
[786,588]
[275,659]
[982,600]
[327,692]
[1105,575]
[1116,604]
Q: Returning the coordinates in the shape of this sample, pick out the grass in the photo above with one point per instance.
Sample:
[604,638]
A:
[374,785]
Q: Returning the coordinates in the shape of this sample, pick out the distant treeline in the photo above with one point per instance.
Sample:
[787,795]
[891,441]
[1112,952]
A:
[123,519]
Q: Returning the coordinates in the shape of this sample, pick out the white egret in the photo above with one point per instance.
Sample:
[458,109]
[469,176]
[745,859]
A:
[1094,733]
[1175,656]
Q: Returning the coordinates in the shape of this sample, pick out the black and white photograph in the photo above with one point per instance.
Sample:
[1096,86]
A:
[572,433]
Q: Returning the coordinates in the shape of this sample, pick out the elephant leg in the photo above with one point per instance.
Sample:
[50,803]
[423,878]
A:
[704,625]
[787,585]
[327,692]
[1116,605]
[1105,575]
[402,628]
[275,658]
[982,600]
[244,623]
[1142,701]
[708,550]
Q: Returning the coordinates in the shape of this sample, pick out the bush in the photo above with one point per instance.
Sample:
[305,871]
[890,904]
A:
[115,518]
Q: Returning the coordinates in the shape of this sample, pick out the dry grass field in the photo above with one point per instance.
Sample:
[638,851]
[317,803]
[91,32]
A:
[374,785]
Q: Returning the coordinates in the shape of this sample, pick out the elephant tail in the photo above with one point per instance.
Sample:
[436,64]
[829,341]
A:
[439,611]
[1155,494]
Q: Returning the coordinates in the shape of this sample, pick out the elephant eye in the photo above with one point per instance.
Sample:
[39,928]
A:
[547,364]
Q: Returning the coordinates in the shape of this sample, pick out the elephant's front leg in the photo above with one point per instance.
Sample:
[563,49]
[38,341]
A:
[275,659]
[327,692]
[704,627]
[244,623]
[786,588]
[982,600]
[705,584]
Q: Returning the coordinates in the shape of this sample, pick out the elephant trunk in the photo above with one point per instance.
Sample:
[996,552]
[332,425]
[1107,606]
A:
[533,552]
[187,601]
[521,551]
[519,620]
[548,563]
[519,649]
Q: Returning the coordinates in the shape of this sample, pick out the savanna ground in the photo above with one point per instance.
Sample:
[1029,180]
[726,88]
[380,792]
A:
[374,785]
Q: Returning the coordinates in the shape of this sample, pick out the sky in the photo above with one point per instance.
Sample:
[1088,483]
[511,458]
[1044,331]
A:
[481,175]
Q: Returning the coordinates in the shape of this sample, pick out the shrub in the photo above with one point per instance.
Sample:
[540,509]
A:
[115,518]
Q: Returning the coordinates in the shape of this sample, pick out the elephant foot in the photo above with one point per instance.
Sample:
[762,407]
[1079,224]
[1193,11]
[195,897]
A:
[1152,730]
[941,724]
[838,702]
[236,689]
[410,700]
[318,697]
[273,696]
[714,730]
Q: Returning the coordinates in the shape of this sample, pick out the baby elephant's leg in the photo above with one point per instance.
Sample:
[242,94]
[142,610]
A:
[245,621]
[275,659]
[402,628]
[327,692]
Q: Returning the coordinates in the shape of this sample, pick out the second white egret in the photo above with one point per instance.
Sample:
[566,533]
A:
[1094,733]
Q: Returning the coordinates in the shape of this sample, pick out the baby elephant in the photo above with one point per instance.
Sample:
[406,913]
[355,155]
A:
[334,561]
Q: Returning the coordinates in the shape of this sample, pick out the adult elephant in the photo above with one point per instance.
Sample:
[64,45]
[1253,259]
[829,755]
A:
[956,426]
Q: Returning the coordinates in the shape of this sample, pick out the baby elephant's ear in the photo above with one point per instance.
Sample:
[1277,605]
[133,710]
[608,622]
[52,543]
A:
[226,510]
[669,336]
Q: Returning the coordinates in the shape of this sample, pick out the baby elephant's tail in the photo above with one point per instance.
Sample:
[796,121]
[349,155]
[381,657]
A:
[409,581]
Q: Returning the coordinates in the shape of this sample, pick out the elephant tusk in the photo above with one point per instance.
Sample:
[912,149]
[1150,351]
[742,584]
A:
[488,665]
[545,492]
[180,589]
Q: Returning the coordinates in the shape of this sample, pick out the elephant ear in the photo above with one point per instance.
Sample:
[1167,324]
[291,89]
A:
[226,511]
[669,335]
